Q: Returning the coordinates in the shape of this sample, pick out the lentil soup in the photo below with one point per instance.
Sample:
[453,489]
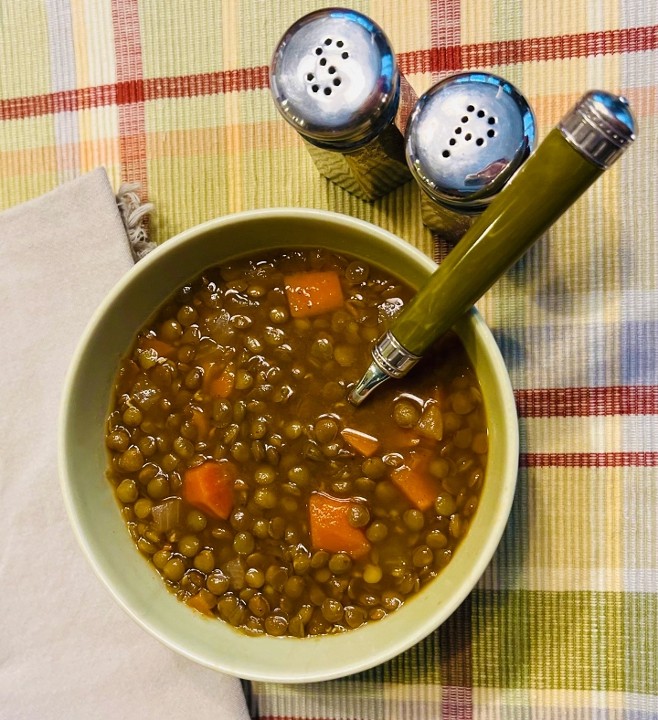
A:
[257,491]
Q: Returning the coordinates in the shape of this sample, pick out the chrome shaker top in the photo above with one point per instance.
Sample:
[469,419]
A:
[334,78]
[466,137]
[599,126]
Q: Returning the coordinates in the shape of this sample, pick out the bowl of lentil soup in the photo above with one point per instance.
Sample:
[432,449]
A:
[227,494]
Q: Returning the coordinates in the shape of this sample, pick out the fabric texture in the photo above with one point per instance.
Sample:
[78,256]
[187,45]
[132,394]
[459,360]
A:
[175,96]
[67,650]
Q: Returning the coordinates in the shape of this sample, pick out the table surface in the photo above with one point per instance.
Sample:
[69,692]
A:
[174,95]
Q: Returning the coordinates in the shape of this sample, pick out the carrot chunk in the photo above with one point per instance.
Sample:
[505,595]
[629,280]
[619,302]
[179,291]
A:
[200,602]
[222,386]
[313,293]
[160,347]
[219,381]
[363,443]
[330,526]
[414,480]
[209,487]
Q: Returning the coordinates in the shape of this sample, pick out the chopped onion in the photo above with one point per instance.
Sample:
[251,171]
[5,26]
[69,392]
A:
[430,424]
[167,515]
[236,571]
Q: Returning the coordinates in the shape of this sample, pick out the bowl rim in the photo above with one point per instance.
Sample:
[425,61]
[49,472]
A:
[351,663]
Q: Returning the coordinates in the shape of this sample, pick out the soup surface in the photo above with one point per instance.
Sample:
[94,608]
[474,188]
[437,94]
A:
[257,491]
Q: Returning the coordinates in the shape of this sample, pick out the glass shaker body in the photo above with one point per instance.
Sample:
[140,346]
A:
[334,78]
[465,139]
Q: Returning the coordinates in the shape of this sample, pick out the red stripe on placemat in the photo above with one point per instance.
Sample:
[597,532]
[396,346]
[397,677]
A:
[559,47]
[436,59]
[129,92]
[135,89]
[508,52]
[588,401]
[588,460]
[212,83]
[62,101]
[445,38]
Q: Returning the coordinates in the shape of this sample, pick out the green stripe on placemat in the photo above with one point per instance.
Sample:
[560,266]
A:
[520,637]
[517,640]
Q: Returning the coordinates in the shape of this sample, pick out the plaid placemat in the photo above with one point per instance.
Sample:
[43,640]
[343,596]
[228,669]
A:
[174,95]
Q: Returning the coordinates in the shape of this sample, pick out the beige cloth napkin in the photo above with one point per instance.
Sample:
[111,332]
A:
[66,649]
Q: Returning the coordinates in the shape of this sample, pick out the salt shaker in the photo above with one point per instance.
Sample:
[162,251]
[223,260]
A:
[335,79]
[466,137]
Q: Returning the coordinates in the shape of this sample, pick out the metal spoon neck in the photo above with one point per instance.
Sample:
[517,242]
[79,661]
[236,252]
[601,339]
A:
[390,359]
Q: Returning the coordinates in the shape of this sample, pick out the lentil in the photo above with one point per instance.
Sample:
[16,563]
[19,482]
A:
[278,422]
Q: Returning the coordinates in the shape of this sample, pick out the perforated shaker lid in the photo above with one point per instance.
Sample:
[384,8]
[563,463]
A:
[334,78]
[467,136]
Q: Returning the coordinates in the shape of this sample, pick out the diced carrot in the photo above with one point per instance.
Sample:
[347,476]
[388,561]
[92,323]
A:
[330,526]
[414,480]
[199,602]
[313,293]
[209,487]
[162,348]
[222,386]
[220,383]
[363,443]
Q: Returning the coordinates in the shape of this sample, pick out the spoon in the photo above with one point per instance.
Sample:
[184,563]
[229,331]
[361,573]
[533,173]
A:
[588,139]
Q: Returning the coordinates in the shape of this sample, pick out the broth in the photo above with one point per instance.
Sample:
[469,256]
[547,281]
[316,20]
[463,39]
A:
[257,491]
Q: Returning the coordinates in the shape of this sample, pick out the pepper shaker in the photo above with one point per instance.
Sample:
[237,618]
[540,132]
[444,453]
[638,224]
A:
[335,79]
[466,137]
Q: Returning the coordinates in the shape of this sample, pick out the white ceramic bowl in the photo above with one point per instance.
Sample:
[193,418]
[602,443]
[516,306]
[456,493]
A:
[94,512]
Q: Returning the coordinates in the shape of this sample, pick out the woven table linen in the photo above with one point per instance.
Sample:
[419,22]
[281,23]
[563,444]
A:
[174,95]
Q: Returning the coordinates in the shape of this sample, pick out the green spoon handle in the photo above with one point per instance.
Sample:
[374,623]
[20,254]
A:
[548,183]
[572,156]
